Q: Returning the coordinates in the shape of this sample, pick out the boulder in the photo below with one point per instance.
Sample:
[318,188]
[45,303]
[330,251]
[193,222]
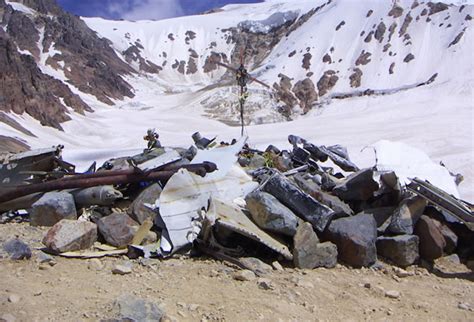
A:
[132,308]
[358,186]
[449,236]
[406,215]
[302,204]
[117,229]
[355,239]
[70,235]
[432,242]
[402,250]
[257,161]
[269,214]
[138,209]
[51,208]
[314,190]
[381,216]
[17,249]
[308,252]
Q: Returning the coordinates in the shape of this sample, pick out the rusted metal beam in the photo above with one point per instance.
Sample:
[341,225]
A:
[86,181]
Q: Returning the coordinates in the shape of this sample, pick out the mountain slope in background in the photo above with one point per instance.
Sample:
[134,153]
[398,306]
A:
[341,71]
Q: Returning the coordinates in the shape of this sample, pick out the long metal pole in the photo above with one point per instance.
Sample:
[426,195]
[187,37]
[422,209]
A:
[241,100]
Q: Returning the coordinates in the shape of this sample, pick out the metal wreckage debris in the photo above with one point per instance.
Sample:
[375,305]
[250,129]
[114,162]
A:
[309,206]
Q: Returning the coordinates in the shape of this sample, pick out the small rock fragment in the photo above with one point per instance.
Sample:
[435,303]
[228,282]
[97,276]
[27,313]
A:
[131,308]
[122,269]
[17,249]
[255,265]
[244,275]
[14,298]
[277,266]
[392,294]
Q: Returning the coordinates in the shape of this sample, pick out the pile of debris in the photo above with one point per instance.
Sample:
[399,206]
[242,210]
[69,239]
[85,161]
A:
[309,207]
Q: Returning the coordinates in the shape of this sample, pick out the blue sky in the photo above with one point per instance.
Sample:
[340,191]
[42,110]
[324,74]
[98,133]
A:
[142,9]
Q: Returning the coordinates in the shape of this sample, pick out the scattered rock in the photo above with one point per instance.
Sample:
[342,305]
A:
[95,264]
[117,229]
[122,269]
[51,208]
[306,93]
[342,23]
[306,63]
[131,308]
[355,239]
[42,257]
[464,306]
[256,265]
[277,266]
[401,250]
[70,235]
[327,82]
[17,249]
[244,275]
[14,298]
[393,294]
[265,284]
[269,214]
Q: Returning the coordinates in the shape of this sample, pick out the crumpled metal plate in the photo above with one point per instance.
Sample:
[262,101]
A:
[230,216]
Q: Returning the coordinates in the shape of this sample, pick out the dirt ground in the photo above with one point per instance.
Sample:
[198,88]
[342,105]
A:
[202,289]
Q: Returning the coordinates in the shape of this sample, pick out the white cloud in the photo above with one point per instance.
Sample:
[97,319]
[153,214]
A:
[146,9]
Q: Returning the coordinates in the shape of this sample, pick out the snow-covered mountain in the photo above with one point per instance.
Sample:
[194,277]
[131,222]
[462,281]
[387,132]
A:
[340,71]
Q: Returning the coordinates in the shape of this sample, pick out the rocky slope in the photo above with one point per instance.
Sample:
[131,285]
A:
[49,56]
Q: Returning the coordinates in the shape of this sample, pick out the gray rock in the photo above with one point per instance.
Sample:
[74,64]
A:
[358,186]
[138,211]
[51,208]
[269,214]
[277,266]
[340,208]
[302,204]
[244,275]
[432,242]
[42,257]
[117,229]
[131,308]
[449,236]
[406,215]
[265,284]
[70,235]
[355,239]
[401,250]
[392,294]
[257,161]
[309,253]
[381,215]
[122,269]
[256,265]
[16,249]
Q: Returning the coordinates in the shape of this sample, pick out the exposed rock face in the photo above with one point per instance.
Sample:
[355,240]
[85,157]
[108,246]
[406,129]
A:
[436,7]
[406,23]
[132,54]
[356,77]
[284,93]
[31,91]
[305,91]
[88,62]
[408,58]
[327,82]
[363,59]
[396,11]
[406,215]
[379,33]
[306,64]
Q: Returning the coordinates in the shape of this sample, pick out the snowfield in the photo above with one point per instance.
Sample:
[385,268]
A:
[436,118]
